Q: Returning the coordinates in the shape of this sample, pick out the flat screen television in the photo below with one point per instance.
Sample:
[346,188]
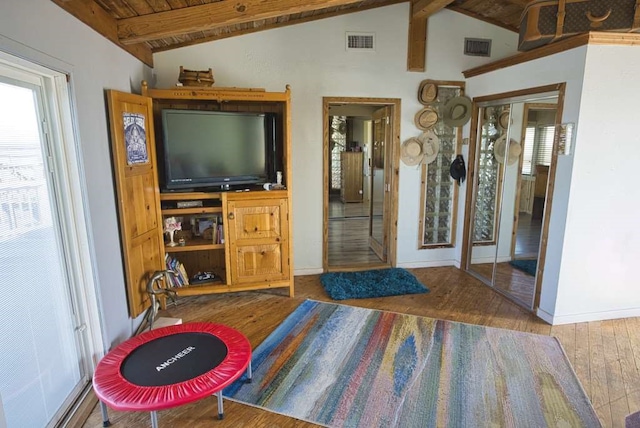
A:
[217,150]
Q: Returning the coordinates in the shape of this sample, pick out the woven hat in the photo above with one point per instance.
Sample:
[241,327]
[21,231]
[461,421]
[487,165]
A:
[430,146]
[500,148]
[503,119]
[427,92]
[411,152]
[457,111]
[426,118]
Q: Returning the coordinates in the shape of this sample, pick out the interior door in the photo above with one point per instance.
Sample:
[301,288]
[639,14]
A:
[380,179]
[134,166]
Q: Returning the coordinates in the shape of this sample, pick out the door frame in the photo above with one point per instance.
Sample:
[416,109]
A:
[469,197]
[392,169]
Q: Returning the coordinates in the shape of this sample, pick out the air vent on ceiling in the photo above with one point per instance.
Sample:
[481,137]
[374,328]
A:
[361,41]
[477,47]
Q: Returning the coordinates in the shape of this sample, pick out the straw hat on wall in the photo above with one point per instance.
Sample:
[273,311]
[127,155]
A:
[500,147]
[426,118]
[457,111]
[430,146]
[411,152]
[427,92]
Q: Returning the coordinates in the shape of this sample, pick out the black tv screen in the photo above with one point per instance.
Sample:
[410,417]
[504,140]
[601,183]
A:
[216,149]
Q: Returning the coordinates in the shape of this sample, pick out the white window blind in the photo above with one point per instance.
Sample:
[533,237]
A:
[529,143]
[538,147]
[544,137]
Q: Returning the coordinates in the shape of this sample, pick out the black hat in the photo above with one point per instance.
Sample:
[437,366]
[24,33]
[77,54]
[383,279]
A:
[457,169]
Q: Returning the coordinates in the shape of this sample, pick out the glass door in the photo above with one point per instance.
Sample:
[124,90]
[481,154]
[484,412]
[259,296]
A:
[41,367]
[378,229]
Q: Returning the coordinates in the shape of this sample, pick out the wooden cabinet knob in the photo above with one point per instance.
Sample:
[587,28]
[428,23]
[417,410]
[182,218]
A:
[231,216]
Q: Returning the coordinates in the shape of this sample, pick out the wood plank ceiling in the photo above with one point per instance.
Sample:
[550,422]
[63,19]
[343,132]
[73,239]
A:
[143,27]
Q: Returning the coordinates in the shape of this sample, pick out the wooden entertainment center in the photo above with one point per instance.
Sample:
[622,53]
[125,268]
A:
[255,249]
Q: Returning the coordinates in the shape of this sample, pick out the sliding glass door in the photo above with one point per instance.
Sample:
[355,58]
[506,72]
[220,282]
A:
[43,363]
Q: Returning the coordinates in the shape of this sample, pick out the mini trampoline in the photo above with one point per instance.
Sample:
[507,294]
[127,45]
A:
[171,366]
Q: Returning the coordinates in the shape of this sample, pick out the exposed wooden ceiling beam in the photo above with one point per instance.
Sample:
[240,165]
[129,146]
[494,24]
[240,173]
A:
[417,47]
[483,18]
[92,14]
[426,8]
[316,17]
[213,15]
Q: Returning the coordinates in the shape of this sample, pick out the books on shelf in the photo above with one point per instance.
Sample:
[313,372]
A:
[181,278]
[211,228]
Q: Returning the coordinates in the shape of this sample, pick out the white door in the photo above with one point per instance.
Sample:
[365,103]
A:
[43,358]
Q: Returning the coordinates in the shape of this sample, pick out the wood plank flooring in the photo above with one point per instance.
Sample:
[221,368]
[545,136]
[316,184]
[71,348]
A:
[604,354]
[349,235]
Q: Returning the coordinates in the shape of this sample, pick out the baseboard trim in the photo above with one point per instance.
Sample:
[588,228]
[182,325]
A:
[588,317]
[427,264]
[309,271]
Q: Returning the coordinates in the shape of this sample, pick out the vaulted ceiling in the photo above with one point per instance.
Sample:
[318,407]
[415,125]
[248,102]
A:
[143,27]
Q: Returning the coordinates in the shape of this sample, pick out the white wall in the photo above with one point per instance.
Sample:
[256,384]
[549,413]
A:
[598,277]
[311,58]
[562,67]
[42,32]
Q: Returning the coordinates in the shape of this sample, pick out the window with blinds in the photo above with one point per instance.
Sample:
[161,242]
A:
[538,147]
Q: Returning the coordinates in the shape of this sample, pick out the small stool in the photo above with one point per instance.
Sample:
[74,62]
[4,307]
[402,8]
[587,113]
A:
[171,366]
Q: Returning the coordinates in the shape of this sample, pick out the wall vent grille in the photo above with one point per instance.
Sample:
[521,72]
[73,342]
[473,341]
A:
[361,41]
[477,47]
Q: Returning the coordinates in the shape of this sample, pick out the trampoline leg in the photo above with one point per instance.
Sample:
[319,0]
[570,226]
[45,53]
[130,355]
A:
[105,415]
[249,373]
[220,407]
[154,419]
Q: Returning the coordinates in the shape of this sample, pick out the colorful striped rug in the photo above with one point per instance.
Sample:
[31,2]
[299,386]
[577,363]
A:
[342,366]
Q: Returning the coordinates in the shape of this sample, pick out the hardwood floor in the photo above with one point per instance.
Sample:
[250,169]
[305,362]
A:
[349,235]
[528,237]
[604,354]
[516,284]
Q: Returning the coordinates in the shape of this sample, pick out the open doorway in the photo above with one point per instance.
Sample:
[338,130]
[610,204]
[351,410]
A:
[361,141]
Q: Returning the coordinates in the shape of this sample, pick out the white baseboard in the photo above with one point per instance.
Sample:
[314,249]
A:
[309,271]
[588,317]
[437,263]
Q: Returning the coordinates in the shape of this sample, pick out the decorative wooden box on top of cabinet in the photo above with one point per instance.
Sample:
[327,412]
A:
[256,247]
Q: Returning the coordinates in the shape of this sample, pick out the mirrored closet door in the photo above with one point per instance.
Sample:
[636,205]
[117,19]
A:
[512,156]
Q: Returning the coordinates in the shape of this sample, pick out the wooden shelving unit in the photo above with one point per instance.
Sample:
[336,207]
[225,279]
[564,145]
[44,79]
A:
[256,251]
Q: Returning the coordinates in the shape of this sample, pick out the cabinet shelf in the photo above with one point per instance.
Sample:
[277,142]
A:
[194,210]
[194,244]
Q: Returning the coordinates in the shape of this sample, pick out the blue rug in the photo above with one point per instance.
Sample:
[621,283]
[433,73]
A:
[526,266]
[371,283]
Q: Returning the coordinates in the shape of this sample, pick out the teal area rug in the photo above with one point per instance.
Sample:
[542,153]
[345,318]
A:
[343,366]
[527,266]
[371,283]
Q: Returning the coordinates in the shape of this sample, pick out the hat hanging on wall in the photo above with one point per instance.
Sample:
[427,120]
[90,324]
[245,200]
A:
[458,170]
[457,111]
[426,118]
[503,119]
[427,92]
[430,146]
[500,148]
[411,152]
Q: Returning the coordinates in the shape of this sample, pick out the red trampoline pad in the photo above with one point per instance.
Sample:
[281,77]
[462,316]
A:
[179,349]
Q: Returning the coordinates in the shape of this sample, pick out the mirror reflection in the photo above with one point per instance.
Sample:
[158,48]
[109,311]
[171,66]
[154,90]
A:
[513,155]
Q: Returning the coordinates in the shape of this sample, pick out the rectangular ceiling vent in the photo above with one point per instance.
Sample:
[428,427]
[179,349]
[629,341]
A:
[477,47]
[361,42]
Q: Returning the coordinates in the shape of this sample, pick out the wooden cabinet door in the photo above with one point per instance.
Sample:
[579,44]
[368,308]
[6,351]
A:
[137,193]
[258,234]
